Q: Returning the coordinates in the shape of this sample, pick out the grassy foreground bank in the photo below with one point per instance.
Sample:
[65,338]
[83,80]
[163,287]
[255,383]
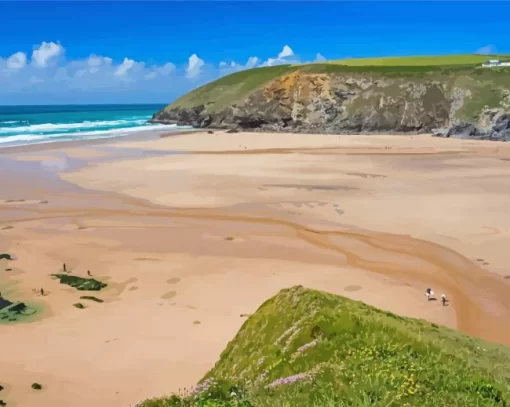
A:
[310,348]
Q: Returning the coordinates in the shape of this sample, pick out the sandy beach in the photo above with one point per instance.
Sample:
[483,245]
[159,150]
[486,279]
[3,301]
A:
[192,231]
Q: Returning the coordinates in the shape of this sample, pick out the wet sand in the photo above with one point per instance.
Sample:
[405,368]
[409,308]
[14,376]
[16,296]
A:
[205,227]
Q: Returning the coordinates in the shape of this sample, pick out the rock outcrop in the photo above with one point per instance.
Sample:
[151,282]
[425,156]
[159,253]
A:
[492,124]
[471,104]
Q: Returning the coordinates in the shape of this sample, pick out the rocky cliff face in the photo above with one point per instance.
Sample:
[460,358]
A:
[457,105]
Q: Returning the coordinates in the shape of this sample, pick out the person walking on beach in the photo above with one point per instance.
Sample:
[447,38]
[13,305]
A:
[429,293]
[443,299]
[88,272]
[42,292]
[65,268]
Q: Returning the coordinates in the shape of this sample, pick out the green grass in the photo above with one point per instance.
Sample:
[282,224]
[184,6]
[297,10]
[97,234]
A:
[5,256]
[80,283]
[310,348]
[426,60]
[79,305]
[36,386]
[231,88]
[91,298]
[13,313]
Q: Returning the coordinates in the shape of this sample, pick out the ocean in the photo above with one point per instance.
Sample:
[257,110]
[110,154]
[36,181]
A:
[21,125]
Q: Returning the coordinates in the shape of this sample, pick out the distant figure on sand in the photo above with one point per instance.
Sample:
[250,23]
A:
[88,272]
[443,299]
[429,293]
[42,292]
[65,268]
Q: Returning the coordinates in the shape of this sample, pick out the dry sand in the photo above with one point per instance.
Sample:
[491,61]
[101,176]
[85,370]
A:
[205,227]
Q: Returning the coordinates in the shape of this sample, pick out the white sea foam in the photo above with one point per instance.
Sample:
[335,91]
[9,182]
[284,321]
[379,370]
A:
[22,139]
[53,127]
[12,121]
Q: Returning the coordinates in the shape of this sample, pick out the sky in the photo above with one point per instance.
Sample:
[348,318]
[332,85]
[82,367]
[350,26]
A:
[152,52]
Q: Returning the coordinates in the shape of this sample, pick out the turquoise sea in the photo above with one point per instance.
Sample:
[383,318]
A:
[21,125]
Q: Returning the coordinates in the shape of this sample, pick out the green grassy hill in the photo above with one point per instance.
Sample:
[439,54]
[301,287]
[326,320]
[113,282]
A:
[309,348]
[235,87]
[231,88]
[426,60]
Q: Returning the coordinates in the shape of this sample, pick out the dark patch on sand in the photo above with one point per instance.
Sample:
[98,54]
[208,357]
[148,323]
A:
[169,295]
[365,175]
[353,288]
[7,227]
[146,259]
[313,187]
[173,280]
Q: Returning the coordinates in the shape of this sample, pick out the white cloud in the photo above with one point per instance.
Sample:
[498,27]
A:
[286,52]
[166,69]
[487,50]
[226,68]
[95,62]
[46,52]
[123,68]
[151,75]
[285,56]
[17,61]
[252,62]
[195,64]
[100,78]
[319,57]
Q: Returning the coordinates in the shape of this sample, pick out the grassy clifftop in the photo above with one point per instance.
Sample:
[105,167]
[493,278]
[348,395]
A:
[235,87]
[426,60]
[309,348]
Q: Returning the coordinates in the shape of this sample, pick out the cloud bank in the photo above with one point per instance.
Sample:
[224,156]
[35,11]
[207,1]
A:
[487,50]
[46,76]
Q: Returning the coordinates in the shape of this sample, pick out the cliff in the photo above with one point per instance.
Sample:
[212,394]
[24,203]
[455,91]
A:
[310,348]
[450,100]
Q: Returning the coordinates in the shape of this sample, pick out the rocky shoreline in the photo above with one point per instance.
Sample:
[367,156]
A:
[497,129]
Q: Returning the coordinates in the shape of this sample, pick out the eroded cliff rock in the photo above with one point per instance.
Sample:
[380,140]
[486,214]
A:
[448,104]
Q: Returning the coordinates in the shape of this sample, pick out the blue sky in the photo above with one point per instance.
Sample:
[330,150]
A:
[137,52]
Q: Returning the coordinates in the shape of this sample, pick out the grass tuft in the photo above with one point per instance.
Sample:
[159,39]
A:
[80,283]
[310,348]
[91,298]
